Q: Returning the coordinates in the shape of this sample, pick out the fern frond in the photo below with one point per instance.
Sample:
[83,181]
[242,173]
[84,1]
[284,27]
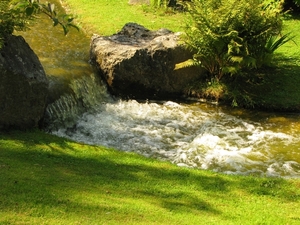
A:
[230,70]
[236,59]
[187,63]
[250,61]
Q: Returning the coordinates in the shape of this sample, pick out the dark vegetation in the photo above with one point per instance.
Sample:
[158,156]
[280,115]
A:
[292,5]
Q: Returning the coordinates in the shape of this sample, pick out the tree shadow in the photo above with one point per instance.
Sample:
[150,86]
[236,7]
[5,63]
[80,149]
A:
[271,88]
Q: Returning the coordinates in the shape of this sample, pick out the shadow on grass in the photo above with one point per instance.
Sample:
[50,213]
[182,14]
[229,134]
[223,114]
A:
[41,172]
[281,87]
[56,175]
[274,88]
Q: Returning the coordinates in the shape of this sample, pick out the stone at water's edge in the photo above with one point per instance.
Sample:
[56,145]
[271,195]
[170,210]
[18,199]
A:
[23,85]
[139,63]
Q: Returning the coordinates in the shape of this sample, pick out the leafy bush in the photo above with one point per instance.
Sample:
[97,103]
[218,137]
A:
[17,14]
[229,36]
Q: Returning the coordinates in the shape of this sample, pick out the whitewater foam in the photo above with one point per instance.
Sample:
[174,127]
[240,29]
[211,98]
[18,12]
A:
[187,136]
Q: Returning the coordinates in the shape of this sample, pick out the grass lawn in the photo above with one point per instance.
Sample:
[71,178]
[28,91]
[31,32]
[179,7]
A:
[106,17]
[49,180]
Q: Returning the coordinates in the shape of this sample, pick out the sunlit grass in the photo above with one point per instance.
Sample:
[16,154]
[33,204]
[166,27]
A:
[291,49]
[106,17]
[50,180]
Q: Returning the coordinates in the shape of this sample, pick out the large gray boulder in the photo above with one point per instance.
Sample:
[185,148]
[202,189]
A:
[23,85]
[139,63]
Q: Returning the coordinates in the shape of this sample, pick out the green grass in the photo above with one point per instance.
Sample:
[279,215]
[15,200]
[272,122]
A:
[106,17]
[49,180]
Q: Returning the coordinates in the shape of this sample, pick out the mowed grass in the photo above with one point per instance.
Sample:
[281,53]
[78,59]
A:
[106,17]
[49,180]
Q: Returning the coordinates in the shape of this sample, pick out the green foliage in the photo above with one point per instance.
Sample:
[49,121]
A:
[227,36]
[16,15]
[276,88]
[230,37]
[5,20]
[114,15]
[213,90]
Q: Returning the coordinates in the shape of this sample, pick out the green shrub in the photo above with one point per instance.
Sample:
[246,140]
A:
[227,36]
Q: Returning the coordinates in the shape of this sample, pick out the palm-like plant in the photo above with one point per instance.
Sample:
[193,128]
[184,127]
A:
[273,43]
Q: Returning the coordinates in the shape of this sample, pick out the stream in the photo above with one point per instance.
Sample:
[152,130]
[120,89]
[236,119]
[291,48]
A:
[196,135]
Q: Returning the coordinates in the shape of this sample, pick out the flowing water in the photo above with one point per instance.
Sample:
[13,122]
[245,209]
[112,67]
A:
[194,135]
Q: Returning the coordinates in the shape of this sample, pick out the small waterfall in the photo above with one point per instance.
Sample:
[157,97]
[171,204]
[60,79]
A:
[85,93]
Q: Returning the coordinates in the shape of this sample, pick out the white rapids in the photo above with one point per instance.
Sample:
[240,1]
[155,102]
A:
[190,136]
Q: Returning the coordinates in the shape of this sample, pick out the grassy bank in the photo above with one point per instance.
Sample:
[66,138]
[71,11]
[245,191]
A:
[50,180]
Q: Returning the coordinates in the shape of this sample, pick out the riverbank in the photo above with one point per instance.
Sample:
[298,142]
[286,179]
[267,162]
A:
[51,180]
[274,88]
